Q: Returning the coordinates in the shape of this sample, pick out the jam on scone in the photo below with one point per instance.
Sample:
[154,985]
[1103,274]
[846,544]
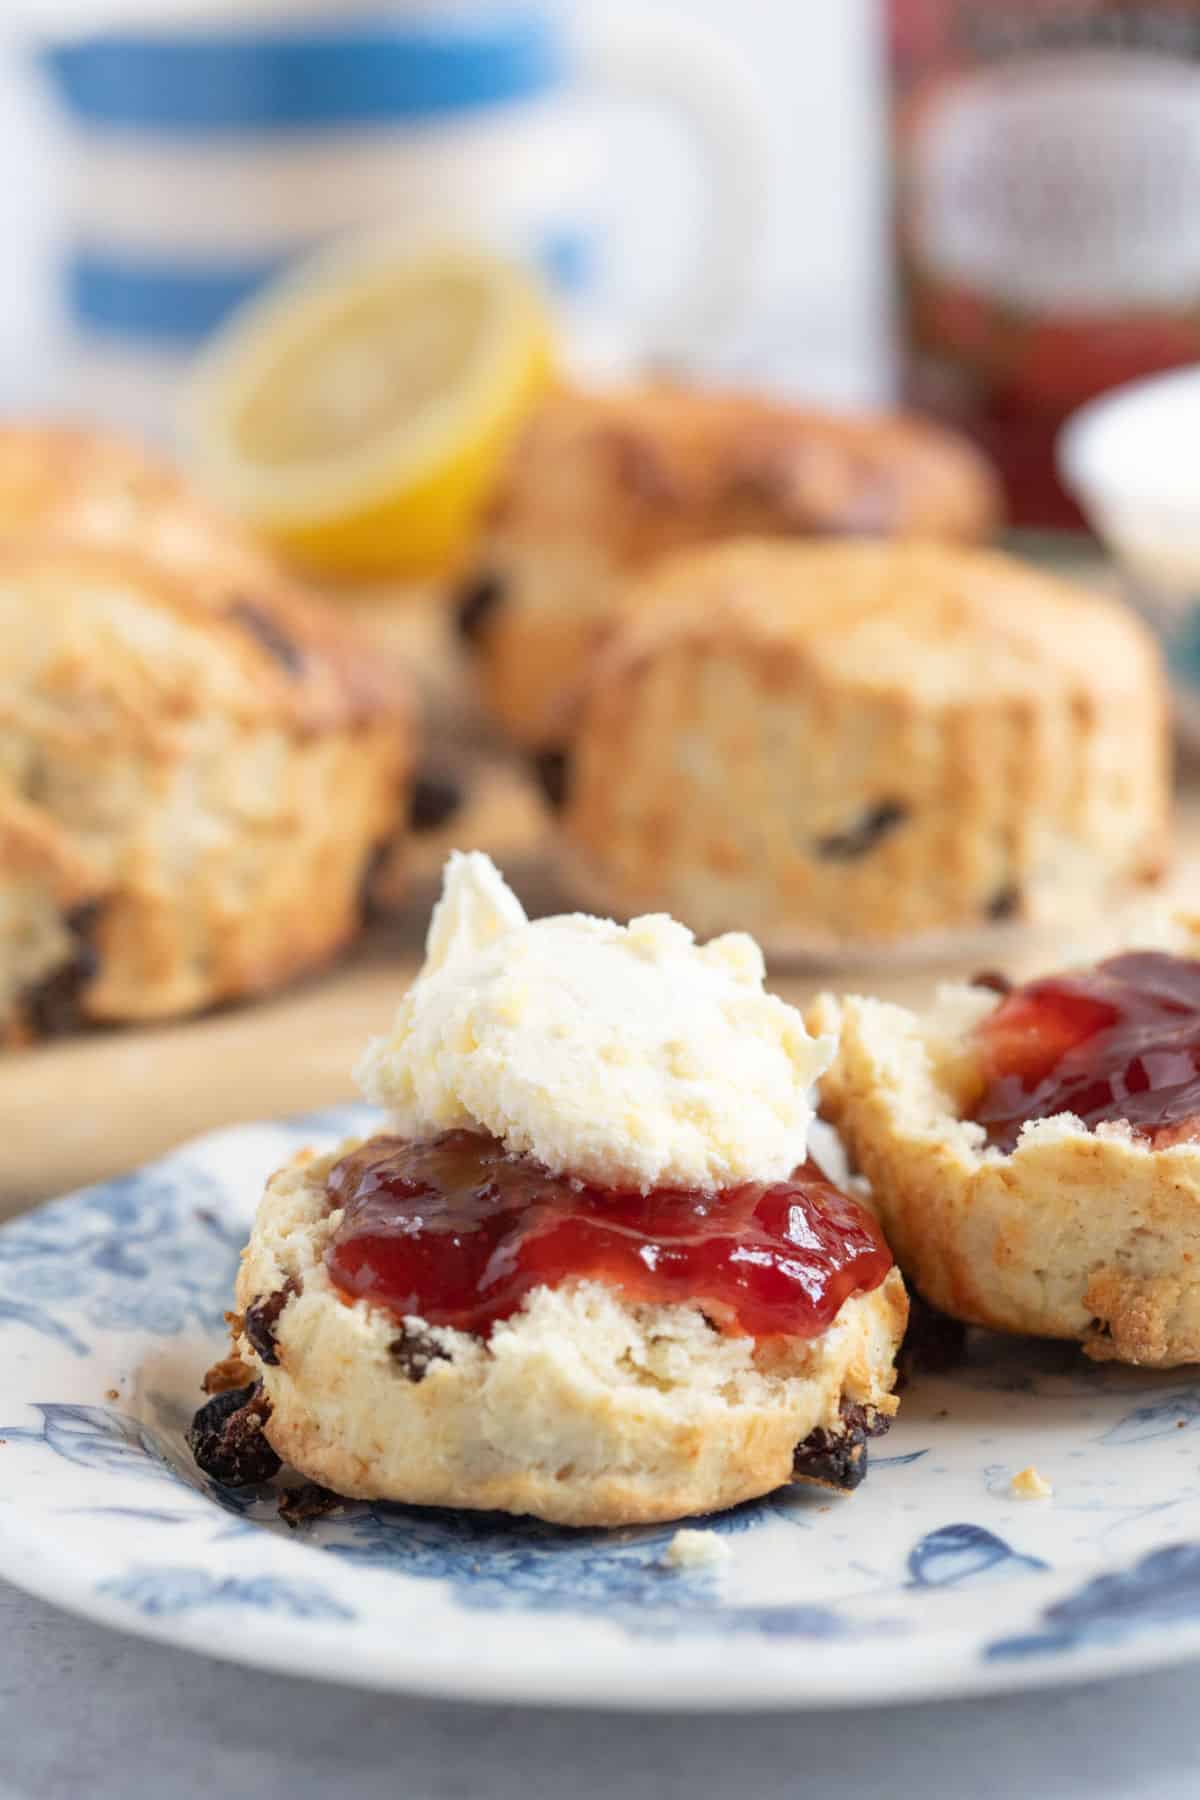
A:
[1117,1043]
[589,1271]
[1034,1152]
[457,1231]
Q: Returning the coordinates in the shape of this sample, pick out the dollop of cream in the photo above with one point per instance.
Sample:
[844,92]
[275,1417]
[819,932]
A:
[630,1056]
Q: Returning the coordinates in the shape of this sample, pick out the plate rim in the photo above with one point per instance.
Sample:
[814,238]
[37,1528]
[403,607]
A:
[939,1663]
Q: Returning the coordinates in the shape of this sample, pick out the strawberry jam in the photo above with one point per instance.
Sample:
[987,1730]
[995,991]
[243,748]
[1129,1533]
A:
[457,1231]
[1120,1041]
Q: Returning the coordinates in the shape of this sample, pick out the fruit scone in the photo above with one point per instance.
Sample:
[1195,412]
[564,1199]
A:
[1034,1152]
[843,746]
[194,779]
[603,484]
[587,1270]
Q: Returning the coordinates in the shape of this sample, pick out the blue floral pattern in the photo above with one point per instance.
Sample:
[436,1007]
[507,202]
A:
[955,1555]
[494,1563]
[153,1252]
[121,1290]
[1161,1589]
[92,1257]
[105,1441]
[1170,1413]
[159,1592]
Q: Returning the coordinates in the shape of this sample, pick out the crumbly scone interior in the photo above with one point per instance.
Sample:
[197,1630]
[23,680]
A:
[926,1072]
[1084,1233]
[580,1407]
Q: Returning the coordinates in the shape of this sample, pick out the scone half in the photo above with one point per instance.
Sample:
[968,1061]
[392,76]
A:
[581,1409]
[1076,1233]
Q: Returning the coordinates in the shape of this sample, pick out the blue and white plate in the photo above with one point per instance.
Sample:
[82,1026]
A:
[932,1580]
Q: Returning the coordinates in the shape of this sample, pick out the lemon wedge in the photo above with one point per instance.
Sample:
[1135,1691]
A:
[358,412]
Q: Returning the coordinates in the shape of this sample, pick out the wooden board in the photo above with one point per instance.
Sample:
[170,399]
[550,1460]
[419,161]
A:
[85,1109]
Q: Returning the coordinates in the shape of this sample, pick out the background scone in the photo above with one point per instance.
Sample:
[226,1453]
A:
[843,745]
[210,767]
[581,1408]
[602,484]
[1067,1227]
[75,482]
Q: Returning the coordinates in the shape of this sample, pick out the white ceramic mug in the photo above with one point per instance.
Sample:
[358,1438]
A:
[209,150]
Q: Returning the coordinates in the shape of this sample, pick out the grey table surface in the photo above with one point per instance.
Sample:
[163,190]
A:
[86,1714]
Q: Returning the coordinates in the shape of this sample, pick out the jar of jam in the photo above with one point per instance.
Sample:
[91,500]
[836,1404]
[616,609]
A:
[1047,163]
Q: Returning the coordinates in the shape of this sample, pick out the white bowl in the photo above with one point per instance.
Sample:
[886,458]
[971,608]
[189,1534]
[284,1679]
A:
[1132,460]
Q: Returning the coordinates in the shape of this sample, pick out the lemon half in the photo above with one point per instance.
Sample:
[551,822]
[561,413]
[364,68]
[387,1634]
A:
[358,412]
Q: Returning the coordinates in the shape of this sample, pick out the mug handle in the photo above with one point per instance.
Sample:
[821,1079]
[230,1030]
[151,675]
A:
[698,75]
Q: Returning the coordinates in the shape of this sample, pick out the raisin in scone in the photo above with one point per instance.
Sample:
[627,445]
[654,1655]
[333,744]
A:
[854,745]
[199,775]
[603,484]
[588,1271]
[1034,1153]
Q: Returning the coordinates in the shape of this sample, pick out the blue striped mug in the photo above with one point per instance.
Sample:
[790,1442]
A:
[210,145]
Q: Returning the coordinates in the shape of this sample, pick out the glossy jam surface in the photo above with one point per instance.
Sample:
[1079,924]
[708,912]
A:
[1120,1041]
[458,1231]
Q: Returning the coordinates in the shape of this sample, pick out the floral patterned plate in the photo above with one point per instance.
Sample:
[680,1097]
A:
[932,1580]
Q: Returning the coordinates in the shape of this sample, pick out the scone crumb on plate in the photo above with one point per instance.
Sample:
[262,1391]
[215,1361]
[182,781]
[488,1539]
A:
[1028,1484]
[691,1549]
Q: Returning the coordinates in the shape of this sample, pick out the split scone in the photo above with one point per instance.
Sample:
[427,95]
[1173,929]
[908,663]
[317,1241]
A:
[193,783]
[588,1272]
[1034,1153]
[849,745]
[603,484]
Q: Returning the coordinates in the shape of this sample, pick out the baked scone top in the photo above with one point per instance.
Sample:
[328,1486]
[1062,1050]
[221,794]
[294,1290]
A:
[149,646]
[934,624]
[87,513]
[44,468]
[77,482]
[643,470]
[844,744]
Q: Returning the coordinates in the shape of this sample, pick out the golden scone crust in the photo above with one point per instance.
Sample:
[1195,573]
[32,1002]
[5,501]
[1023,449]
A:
[846,745]
[208,765]
[48,893]
[602,485]
[75,482]
[1078,1234]
[580,1409]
